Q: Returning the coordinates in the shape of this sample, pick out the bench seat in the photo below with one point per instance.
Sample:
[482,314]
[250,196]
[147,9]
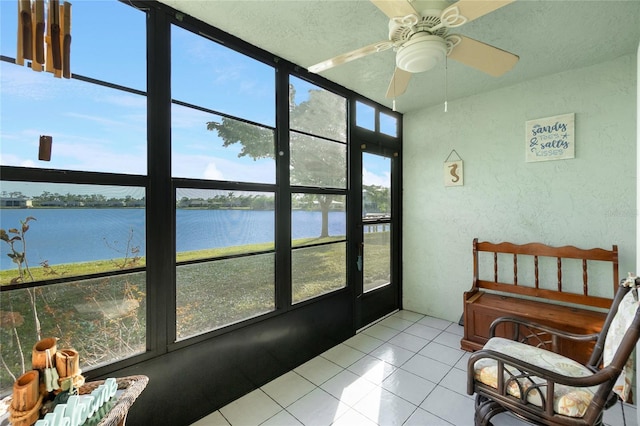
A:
[484,307]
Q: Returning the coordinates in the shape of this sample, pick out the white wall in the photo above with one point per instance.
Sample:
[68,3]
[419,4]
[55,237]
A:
[588,201]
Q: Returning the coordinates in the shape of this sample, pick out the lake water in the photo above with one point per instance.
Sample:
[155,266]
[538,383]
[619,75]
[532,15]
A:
[80,235]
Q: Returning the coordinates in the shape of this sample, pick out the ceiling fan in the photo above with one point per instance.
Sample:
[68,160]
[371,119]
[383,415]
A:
[420,36]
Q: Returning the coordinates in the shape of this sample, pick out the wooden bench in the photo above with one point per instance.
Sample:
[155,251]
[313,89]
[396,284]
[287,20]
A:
[556,304]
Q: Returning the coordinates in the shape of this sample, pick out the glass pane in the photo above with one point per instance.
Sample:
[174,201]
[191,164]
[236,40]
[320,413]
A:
[207,74]
[318,270]
[317,218]
[97,51]
[213,223]
[377,256]
[94,128]
[104,319]
[69,230]
[365,116]
[211,295]
[388,124]
[376,206]
[376,185]
[317,111]
[207,146]
[317,162]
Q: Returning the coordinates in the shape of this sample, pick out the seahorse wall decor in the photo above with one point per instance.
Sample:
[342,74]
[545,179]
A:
[453,173]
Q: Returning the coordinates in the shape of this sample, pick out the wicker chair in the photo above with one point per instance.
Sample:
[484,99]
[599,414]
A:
[521,376]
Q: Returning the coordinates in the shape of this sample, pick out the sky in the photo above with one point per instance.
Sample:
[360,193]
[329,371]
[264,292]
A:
[104,130]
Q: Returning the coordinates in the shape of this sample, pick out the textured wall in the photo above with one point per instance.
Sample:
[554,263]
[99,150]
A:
[588,201]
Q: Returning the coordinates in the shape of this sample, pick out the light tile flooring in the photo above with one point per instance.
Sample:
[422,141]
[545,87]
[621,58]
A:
[407,369]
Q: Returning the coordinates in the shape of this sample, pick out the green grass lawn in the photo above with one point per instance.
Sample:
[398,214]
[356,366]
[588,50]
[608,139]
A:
[105,318]
[40,273]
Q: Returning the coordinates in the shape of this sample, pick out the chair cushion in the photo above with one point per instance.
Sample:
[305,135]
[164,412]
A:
[619,325]
[568,400]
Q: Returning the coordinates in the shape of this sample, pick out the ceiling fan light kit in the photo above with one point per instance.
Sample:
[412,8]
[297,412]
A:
[422,40]
[422,53]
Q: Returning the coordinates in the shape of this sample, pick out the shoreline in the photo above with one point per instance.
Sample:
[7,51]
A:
[80,269]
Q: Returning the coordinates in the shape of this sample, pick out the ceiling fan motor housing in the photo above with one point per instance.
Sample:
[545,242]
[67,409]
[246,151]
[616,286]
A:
[423,52]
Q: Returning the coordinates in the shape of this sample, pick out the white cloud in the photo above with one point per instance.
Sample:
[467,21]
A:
[14,160]
[369,178]
[212,172]
[27,163]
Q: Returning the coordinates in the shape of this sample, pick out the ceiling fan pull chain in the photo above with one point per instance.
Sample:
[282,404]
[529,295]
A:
[393,105]
[445,82]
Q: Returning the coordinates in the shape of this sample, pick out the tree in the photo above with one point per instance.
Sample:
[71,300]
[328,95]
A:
[314,161]
[377,199]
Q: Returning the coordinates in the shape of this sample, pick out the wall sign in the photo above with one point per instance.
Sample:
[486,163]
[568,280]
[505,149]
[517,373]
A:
[550,138]
[453,172]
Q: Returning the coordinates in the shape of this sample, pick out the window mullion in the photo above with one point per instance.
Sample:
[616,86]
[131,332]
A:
[160,201]
[283,193]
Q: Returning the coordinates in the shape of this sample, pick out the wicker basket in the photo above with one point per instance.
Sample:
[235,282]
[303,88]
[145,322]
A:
[131,387]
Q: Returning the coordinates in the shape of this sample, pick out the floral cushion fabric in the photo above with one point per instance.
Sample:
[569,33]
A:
[568,400]
[619,325]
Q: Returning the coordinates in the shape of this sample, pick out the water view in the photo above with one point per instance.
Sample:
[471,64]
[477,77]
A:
[81,235]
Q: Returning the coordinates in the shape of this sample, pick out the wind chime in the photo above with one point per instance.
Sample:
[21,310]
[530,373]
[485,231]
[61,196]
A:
[37,30]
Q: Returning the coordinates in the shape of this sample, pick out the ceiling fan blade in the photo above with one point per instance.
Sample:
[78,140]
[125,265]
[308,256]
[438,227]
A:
[467,10]
[395,8]
[399,83]
[483,57]
[350,56]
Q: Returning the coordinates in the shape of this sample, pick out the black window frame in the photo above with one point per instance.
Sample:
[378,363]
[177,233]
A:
[160,187]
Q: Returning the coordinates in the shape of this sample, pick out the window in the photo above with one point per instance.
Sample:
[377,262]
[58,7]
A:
[58,235]
[210,147]
[94,127]
[388,124]
[318,160]
[226,260]
[217,78]
[376,220]
[221,292]
[319,240]
[126,256]
[365,116]
[375,120]
[223,112]
[318,122]
[73,256]
[222,132]
[119,60]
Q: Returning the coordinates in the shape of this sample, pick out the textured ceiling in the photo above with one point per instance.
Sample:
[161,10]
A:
[550,36]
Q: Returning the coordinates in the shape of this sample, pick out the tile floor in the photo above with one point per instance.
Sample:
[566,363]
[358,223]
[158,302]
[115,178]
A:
[404,370]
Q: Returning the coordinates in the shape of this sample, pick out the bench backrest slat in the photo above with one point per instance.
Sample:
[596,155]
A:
[541,250]
[560,274]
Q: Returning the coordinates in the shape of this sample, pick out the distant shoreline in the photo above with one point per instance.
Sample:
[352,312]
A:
[143,207]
